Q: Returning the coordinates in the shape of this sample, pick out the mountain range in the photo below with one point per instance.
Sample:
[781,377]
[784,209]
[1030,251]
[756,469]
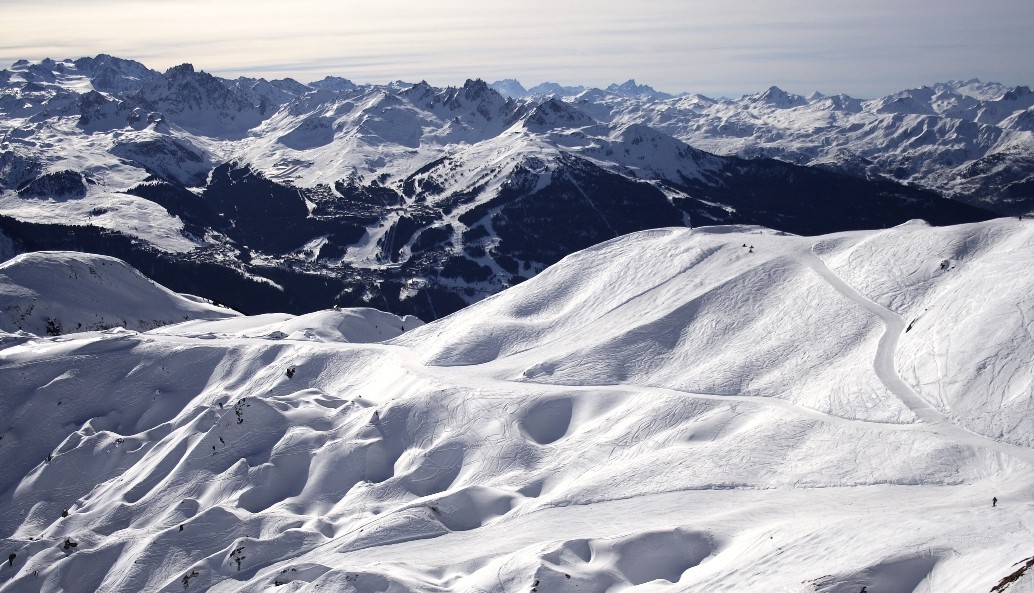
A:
[281,196]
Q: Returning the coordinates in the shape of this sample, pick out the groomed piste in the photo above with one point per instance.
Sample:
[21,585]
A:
[712,409]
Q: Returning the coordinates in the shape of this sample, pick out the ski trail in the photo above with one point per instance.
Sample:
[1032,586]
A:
[883,364]
[594,208]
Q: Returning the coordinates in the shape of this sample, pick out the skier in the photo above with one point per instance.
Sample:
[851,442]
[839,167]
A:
[10,559]
[994,501]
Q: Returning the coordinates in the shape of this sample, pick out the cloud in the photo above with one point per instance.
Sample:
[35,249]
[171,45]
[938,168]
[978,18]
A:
[864,48]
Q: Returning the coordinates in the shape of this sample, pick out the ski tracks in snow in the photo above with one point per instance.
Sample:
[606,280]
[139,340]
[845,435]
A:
[883,363]
[887,373]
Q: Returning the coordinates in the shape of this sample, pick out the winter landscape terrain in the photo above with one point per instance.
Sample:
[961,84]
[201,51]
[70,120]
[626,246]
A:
[714,409]
[277,196]
[673,343]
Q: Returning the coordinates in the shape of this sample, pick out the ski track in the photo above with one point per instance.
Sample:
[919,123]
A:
[887,373]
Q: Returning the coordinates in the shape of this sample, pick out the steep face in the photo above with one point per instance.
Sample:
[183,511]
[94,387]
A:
[116,76]
[552,114]
[640,91]
[17,169]
[199,102]
[170,158]
[509,88]
[98,113]
[476,104]
[267,94]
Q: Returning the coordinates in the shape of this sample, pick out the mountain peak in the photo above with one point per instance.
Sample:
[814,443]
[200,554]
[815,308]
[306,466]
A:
[553,112]
[630,88]
[553,88]
[333,83]
[509,88]
[476,88]
[777,97]
[184,69]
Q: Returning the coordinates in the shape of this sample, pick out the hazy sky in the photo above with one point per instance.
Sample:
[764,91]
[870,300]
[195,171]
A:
[865,48]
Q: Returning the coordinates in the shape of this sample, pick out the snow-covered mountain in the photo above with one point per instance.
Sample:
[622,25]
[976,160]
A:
[714,409]
[280,196]
[51,293]
[969,140]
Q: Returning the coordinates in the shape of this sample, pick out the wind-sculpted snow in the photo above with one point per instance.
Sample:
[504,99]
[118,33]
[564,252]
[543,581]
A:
[718,409]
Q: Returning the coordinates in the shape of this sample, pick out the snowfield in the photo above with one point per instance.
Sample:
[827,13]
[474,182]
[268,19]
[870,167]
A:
[716,409]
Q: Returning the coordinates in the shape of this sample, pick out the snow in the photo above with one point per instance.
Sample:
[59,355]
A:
[116,211]
[52,292]
[667,411]
[357,325]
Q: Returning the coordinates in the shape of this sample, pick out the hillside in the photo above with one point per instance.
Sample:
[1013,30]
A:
[51,293]
[716,409]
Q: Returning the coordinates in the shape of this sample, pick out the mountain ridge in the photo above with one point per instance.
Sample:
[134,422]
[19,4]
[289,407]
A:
[417,199]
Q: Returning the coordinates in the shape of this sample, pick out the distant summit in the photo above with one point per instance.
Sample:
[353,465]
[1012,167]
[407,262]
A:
[777,97]
[510,88]
[629,88]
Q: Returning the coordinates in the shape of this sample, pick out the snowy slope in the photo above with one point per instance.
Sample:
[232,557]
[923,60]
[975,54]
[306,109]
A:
[51,293]
[717,409]
[358,326]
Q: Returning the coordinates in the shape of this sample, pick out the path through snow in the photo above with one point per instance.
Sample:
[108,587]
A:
[887,372]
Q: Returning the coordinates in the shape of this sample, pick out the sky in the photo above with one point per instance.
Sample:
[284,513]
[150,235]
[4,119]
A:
[864,48]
